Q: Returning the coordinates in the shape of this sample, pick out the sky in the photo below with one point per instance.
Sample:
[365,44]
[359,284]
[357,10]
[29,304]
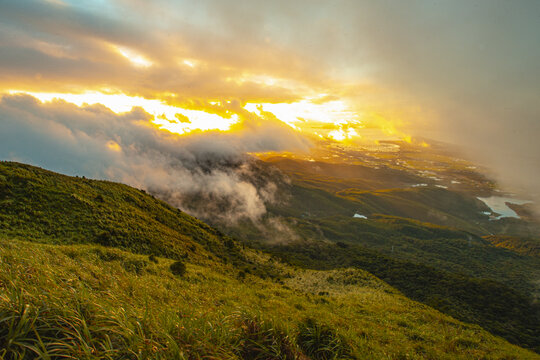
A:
[80,80]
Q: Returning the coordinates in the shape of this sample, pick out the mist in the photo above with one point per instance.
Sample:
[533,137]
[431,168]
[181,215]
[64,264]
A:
[463,72]
[208,174]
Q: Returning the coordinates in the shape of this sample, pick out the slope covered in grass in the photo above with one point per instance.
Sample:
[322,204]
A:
[48,207]
[116,301]
[440,247]
[447,268]
[490,304]
[91,302]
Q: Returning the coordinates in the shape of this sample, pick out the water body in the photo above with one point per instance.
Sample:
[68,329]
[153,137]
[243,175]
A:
[497,204]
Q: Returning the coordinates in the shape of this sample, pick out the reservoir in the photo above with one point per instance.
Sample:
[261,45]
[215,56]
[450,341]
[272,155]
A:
[497,204]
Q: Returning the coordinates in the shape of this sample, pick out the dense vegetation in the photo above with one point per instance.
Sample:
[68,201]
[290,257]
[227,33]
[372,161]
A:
[98,270]
[523,246]
[453,270]
[43,206]
[439,247]
[496,307]
[92,302]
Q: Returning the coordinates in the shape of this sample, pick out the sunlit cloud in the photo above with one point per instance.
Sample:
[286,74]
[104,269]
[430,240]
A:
[306,110]
[136,59]
[165,116]
[356,74]
[114,146]
[189,63]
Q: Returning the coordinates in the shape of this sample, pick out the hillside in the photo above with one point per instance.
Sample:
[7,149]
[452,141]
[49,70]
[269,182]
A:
[43,206]
[428,204]
[90,302]
[413,184]
[68,290]
[523,246]
[450,268]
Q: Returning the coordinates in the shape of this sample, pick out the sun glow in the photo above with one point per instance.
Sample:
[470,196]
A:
[332,120]
[172,118]
[307,110]
[136,59]
[114,146]
[189,63]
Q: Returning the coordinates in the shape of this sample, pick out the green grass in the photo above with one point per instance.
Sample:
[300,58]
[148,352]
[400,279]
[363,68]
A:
[90,269]
[44,206]
[440,247]
[451,269]
[496,307]
[88,302]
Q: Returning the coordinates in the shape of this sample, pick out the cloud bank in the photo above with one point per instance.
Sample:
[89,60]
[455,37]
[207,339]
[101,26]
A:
[208,174]
[466,72]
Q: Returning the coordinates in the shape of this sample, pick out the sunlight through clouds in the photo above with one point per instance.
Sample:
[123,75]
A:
[165,116]
[335,111]
[136,59]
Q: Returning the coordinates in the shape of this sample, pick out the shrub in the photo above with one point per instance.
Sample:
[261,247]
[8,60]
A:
[135,265]
[178,268]
[320,342]
[261,340]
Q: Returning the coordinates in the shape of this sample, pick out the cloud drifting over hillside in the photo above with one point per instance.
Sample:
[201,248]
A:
[461,71]
[211,168]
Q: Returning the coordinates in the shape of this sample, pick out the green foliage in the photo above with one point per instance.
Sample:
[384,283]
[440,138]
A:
[80,301]
[40,205]
[263,340]
[496,307]
[320,342]
[453,270]
[178,268]
[436,246]
[112,302]
[523,246]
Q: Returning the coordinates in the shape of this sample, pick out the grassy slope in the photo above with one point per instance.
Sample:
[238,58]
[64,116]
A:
[40,205]
[439,247]
[451,262]
[94,302]
[494,306]
[91,302]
